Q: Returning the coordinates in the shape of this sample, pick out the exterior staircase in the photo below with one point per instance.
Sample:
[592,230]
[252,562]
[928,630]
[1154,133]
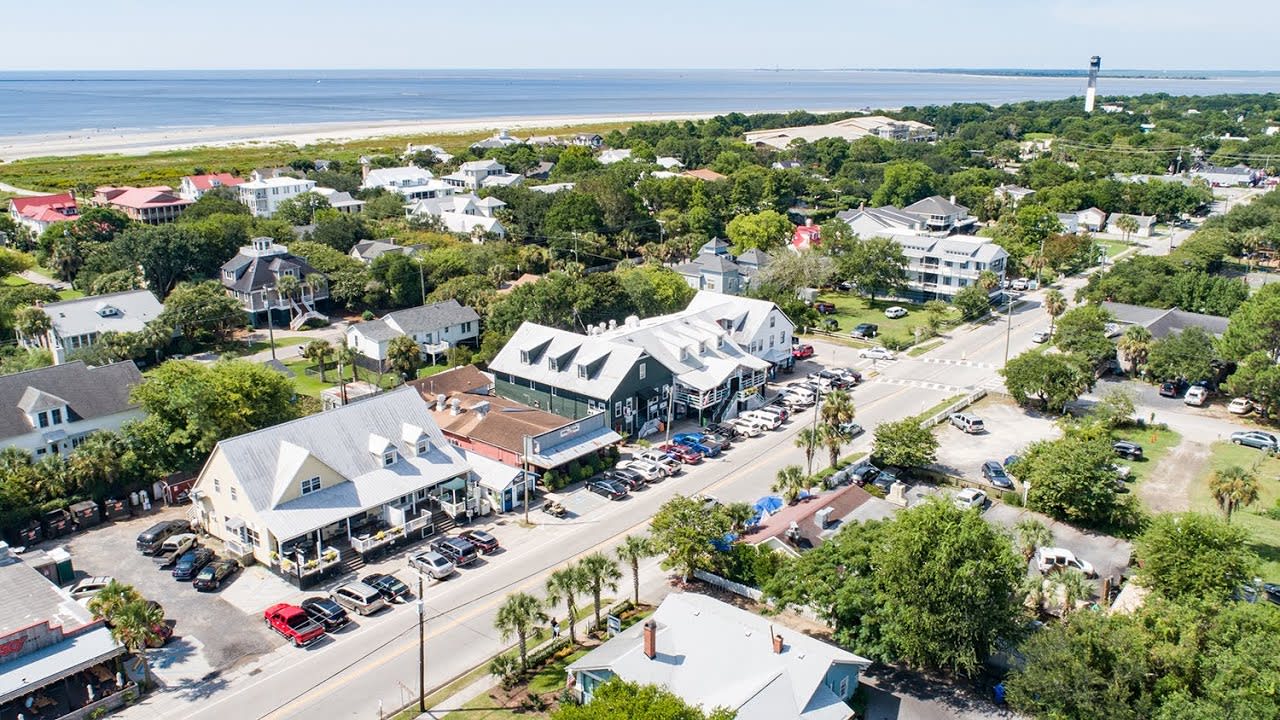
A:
[303,313]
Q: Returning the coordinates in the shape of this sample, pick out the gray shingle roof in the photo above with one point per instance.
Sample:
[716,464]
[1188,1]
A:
[1162,322]
[430,318]
[935,205]
[89,392]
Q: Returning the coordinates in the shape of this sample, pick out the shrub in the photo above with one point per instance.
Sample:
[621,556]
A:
[506,668]
[368,315]
[897,342]
[1011,498]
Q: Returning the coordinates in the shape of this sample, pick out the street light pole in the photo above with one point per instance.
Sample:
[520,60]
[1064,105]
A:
[422,648]
[1008,327]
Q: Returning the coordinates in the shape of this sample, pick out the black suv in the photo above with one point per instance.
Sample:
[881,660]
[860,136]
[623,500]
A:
[862,473]
[326,612]
[865,331]
[724,431]
[389,587]
[1126,449]
[460,552]
[192,562]
[630,478]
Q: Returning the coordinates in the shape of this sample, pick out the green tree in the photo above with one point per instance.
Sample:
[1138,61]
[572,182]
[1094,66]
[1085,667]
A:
[683,531]
[1082,330]
[834,439]
[98,462]
[927,618]
[135,626]
[111,599]
[791,481]
[1258,377]
[631,551]
[301,209]
[876,266]
[905,443]
[972,302]
[319,352]
[517,617]
[1135,346]
[1192,555]
[404,356]
[765,230]
[1055,303]
[1073,587]
[621,700]
[1030,534]
[200,310]
[1128,225]
[1254,326]
[905,181]
[1188,354]
[1233,487]
[387,206]
[567,584]
[33,323]
[601,573]
[1115,409]
[808,440]
[1053,379]
[1073,479]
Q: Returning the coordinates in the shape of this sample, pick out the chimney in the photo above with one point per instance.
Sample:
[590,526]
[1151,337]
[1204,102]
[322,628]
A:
[455,406]
[364,172]
[651,639]
[808,222]
[440,400]
[632,321]
[777,642]
[613,324]
[953,199]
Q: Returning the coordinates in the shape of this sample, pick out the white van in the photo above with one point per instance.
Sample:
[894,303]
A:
[1050,559]
[770,420]
[749,427]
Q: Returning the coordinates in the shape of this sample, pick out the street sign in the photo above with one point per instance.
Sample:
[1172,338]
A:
[614,624]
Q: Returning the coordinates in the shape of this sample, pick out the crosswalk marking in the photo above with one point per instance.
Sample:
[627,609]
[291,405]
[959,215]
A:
[962,363]
[923,384]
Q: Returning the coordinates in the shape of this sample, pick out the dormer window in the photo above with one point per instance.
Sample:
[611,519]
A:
[55,416]
[311,485]
[524,357]
[582,371]
[388,458]
[107,311]
[423,447]
[552,365]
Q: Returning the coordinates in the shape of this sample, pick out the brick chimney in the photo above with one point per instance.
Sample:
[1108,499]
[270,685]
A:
[651,639]
[777,644]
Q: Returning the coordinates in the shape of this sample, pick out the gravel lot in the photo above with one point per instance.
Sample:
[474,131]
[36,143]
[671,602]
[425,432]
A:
[1009,430]
[207,629]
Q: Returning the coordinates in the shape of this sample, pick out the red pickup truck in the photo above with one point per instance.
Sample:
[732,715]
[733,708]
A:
[293,623]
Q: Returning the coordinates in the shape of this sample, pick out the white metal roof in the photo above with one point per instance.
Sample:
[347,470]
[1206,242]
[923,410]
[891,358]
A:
[133,309]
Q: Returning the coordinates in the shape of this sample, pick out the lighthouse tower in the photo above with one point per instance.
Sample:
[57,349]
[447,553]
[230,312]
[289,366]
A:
[1091,93]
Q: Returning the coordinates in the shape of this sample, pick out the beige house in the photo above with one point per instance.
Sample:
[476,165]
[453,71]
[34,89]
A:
[302,495]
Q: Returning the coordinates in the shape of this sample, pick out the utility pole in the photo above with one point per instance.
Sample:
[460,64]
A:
[271,334]
[524,474]
[1008,327]
[671,409]
[422,648]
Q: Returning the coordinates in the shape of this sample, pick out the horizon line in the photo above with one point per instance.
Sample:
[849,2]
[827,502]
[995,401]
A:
[931,68]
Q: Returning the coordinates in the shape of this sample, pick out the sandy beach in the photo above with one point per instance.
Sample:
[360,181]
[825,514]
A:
[142,142]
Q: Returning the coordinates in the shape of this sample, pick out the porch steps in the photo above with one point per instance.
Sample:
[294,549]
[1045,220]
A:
[351,561]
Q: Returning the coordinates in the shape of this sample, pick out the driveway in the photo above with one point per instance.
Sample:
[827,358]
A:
[1109,556]
[1009,430]
[210,633]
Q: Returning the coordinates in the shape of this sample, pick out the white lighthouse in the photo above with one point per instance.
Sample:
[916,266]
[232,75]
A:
[1091,93]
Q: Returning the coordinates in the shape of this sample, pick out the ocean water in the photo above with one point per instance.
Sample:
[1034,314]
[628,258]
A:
[47,102]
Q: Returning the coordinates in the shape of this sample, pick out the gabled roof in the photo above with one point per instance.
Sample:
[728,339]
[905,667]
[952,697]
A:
[954,247]
[754,257]
[141,198]
[1145,222]
[704,174]
[695,636]
[1162,322]
[486,164]
[608,363]
[213,180]
[89,392]
[430,318]
[133,309]
[935,205]
[696,348]
[409,176]
[34,205]
[370,250]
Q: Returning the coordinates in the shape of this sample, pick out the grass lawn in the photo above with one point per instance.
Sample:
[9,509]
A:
[1113,247]
[1155,445]
[19,281]
[549,679]
[312,385]
[15,281]
[853,310]
[940,406]
[281,341]
[1265,531]
[70,294]
[925,347]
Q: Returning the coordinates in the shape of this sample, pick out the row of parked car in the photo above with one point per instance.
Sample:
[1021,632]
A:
[308,621]
[173,546]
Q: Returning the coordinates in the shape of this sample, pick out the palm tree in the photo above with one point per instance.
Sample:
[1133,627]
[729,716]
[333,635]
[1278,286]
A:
[1031,534]
[1032,589]
[633,549]
[790,481]
[1254,239]
[110,599]
[404,356]
[33,323]
[837,408]
[1055,303]
[287,286]
[319,351]
[601,572]
[518,615]
[97,462]
[345,357]
[1128,225]
[1135,345]
[739,514]
[808,439]
[567,584]
[14,459]
[1233,488]
[1074,587]
[134,626]
[988,280]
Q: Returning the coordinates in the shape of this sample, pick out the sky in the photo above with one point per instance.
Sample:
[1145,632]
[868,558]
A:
[418,34]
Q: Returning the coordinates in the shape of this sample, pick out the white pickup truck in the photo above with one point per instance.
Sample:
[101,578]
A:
[173,548]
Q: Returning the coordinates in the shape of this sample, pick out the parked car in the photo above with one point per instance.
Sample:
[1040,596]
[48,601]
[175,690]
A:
[460,552]
[692,443]
[628,478]
[769,420]
[888,476]
[824,308]
[800,352]
[1010,462]
[686,455]
[608,488]
[1240,406]
[657,457]
[970,498]
[748,426]
[213,575]
[174,547]
[723,430]
[326,612]
[646,470]
[191,563]
[796,400]
[876,353]
[865,331]
[358,597]
[862,473]
[1255,439]
[995,474]
[432,563]
[851,376]
[1196,395]
[851,429]
[150,540]
[971,424]
[89,587]
[293,623]
[1127,449]
[1040,336]
[1020,284]
[1112,330]
[486,542]
[838,381]
[724,440]
[1050,559]
[1272,591]
[894,312]
[1173,388]
[390,587]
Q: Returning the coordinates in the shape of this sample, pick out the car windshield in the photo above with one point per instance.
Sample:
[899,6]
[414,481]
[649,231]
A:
[206,573]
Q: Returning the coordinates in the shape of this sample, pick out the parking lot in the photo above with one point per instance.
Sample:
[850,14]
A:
[210,632]
[1009,430]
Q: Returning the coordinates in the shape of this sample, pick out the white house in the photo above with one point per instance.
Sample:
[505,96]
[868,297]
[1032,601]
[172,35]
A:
[1146,224]
[366,251]
[464,214]
[263,196]
[499,140]
[758,326]
[939,267]
[712,654]
[340,201]
[1092,219]
[438,152]
[38,212]
[482,173]
[411,182]
[1012,194]
[79,324]
[51,410]
[193,187]
[435,328]
[609,157]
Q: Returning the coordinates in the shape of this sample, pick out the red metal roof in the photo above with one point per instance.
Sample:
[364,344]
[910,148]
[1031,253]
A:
[206,182]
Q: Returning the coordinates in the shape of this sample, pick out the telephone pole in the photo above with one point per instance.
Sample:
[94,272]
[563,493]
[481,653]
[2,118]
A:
[422,648]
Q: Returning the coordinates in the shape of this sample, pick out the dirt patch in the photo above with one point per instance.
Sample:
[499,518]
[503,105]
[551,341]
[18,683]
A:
[1168,489]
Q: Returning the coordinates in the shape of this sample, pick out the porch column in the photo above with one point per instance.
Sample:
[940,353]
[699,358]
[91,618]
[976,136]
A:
[348,529]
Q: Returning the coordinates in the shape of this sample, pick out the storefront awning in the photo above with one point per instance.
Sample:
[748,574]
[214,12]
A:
[557,455]
[50,664]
